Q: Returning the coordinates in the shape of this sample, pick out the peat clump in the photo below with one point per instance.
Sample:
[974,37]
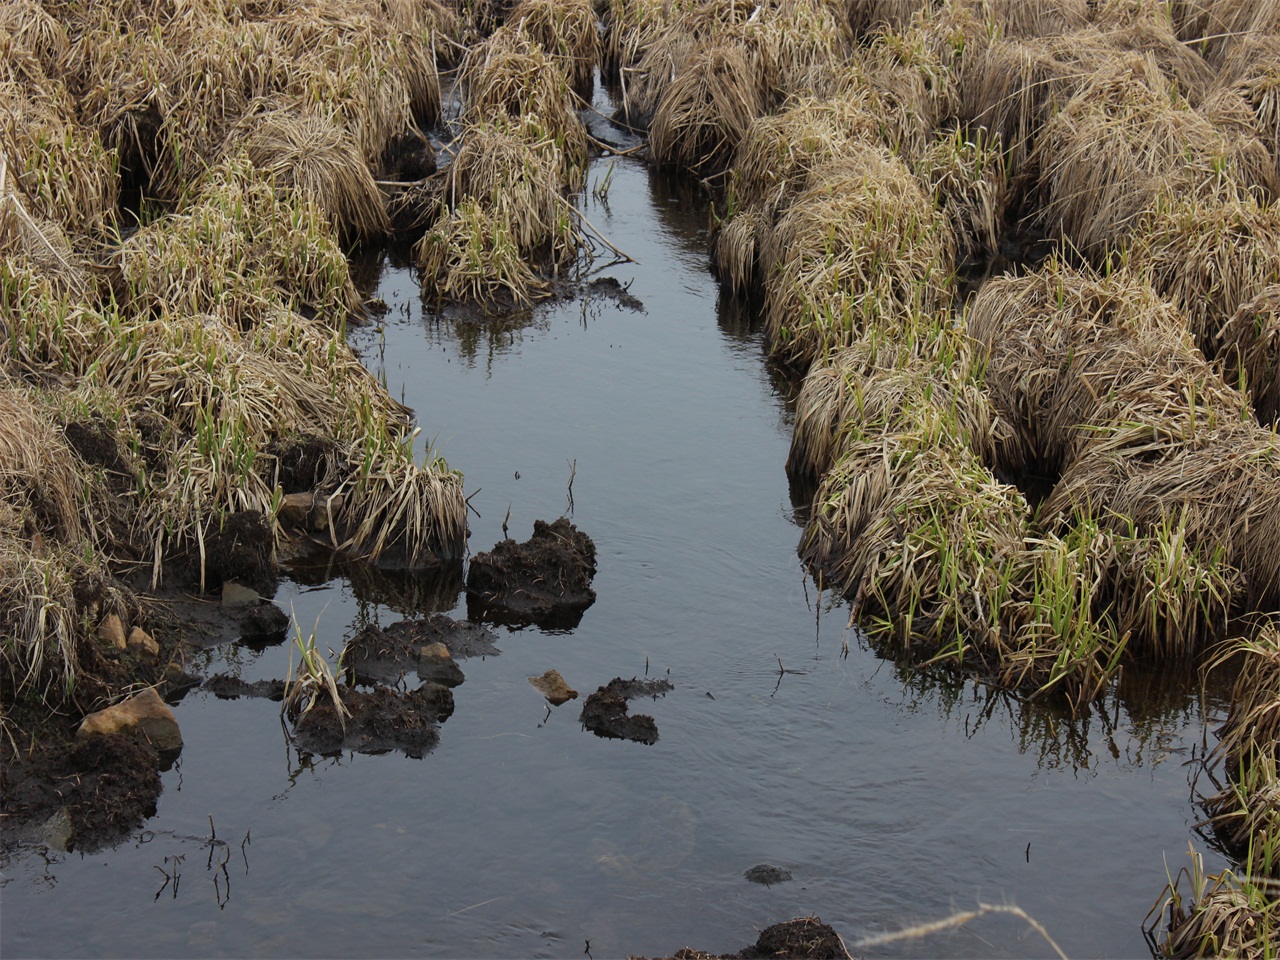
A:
[606,714]
[545,581]
[98,790]
[376,722]
[242,549]
[804,938]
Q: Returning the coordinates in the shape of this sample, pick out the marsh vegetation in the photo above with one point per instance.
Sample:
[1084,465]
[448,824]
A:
[1023,260]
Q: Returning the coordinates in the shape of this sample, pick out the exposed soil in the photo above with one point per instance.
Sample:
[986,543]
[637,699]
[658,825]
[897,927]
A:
[95,443]
[609,288]
[379,721]
[107,785]
[545,581]
[302,463]
[803,937]
[767,874]
[606,713]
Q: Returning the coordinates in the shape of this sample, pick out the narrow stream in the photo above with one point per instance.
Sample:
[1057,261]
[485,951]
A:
[892,799]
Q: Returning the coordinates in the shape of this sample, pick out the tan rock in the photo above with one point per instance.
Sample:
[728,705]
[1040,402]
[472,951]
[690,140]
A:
[238,595]
[295,509]
[111,632]
[143,715]
[552,686]
[140,642]
[436,663]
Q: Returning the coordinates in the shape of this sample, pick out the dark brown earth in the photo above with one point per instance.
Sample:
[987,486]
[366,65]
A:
[606,713]
[545,581]
[380,721]
[107,785]
[803,937]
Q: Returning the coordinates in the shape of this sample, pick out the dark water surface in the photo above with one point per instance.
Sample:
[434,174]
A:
[890,800]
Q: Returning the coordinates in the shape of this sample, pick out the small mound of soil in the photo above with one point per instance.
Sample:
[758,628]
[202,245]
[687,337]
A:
[94,441]
[804,938]
[606,714]
[386,654]
[108,785]
[243,549]
[610,288]
[379,721]
[767,874]
[226,687]
[302,463]
[545,581]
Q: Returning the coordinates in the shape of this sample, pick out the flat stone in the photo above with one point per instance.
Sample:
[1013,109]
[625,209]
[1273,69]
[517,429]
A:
[295,509]
[238,595]
[57,832]
[141,642]
[145,714]
[436,663]
[552,686]
[111,632]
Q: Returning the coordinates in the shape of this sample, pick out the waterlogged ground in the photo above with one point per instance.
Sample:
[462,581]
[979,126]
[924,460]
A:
[890,800]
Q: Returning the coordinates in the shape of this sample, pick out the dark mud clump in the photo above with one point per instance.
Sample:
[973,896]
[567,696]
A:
[226,687]
[243,549]
[767,874]
[303,463]
[609,288]
[545,581]
[387,654]
[94,441]
[804,938]
[379,721]
[84,798]
[606,712]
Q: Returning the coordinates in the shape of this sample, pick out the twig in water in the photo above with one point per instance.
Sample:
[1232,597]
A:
[592,227]
[959,920]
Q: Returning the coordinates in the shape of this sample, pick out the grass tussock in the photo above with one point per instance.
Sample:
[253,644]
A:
[1126,140]
[1210,259]
[704,113]
[861,247]
[62,172]
[512,75]
[243,245]
[307,154]
[917,533]
[881,384]
[1249,351]
[772,165]
[567,30]
[1077,362]
[971,185]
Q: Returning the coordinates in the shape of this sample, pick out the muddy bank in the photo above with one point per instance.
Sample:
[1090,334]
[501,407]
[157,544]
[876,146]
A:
[607,712]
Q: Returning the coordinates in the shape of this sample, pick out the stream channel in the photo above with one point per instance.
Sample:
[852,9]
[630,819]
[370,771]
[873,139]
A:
[892,798]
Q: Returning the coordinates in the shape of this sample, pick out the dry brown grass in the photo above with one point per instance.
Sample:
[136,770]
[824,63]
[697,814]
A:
[62,172]
[567,30]
[772,165]
[1249,351]
[879,385]
[1252,73]
[1209,259]
[970,181]
[512,75]
[1221,481]
[862,247]
[868,18]
[307,153]
[242,245]
[1076,362]
[1124,141]
[914,530]
[704,113]
[1213,27]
